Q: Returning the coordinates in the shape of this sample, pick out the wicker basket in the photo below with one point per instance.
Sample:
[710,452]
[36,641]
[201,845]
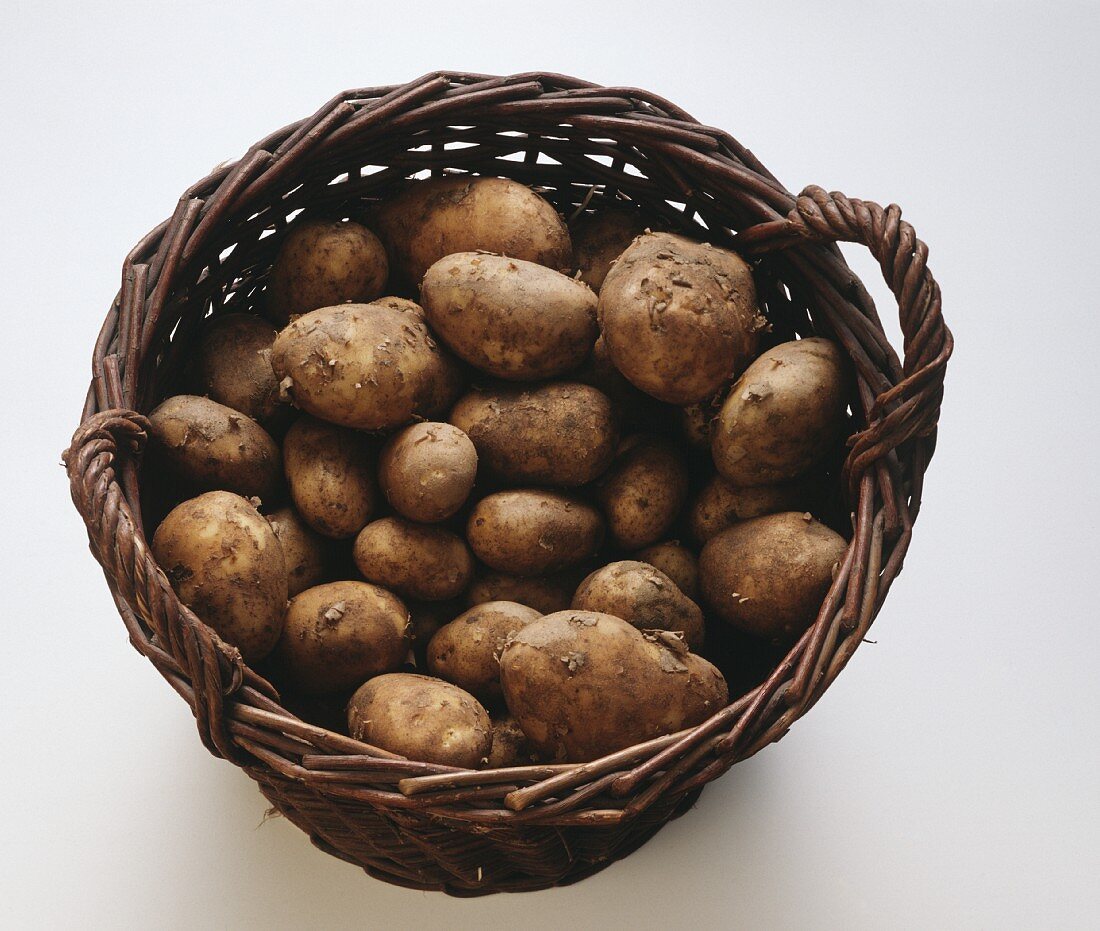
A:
[428,826]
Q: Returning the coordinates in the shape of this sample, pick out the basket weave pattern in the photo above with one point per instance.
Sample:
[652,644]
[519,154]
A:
[429,826]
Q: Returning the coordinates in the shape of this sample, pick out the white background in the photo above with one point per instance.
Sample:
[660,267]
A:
[951,777]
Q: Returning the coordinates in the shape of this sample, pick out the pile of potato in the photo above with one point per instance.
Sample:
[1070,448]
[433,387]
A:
[501,522]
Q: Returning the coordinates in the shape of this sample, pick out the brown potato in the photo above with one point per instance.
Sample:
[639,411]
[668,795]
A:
[420,562]
[340,634]
[643,492]
[561,434]
[600,238]
[510,745]
[721,504]
[210,446]
[431,219]
[768,576]
[306,552]
[582,685]
[331,480]
[634,408]
[427,471]
[783,415]
[467,650]
[226,564]
[546,594]
[421,718]
[322,263]
[533,532]
[677,562]
[509,318]
[695,424]
[679,317]
[367,366]
[643,596]
[428,617]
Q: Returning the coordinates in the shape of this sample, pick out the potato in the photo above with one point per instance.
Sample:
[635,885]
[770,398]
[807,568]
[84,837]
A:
[643,492]
[695,424]
[367,366]
[679,317]
[783,415]
[510,745]
[322,263]
[600,238]
[233,367]
[331,480]
[768,576]
[509,318]
[634,408]
[209,446]
[306,552]
[427,471]
[583,684]
[721,504]
[428,617]
[340,634]
[431,219]
[421,718]
[417,561]
[561,434]
[677,562]
[226,564]
[533,532]
[467,650]
[545,594]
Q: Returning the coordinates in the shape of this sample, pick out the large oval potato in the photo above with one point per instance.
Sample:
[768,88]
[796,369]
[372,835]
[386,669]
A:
[322,263]
[546,594]
[431,219]
[210,446]
[420,562]
[329,472]
[643,596]
[427,471]
[509,318]
[533,532]
[367,366]
[338,635]
[599,238]
[769,575]
[721,504]
[560,434]
[421,718]
[679,317]
[643,492]
[677,562]
[783,415]
[226,564]
[467,650]
[583,684]
[306,552]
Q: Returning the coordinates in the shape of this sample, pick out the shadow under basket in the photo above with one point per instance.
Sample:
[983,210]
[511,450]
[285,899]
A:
[582,145]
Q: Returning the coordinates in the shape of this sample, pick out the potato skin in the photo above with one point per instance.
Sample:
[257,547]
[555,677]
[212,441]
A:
[211,446]
[783,415]
[226,564]
[635,409]
[533,531]
[677,562]
[643,492]
[583,684]
[546,594]
[421,718]
[432,219]
[679,317]
[427,471]
[322,263]
[331,480]
[340,634]
[644,597]
[562,434]
[509,318]
[467,650]
[366,366]
[420,562]
[721,504]
[768,576]
[510,745]
[306,552]
[600,238]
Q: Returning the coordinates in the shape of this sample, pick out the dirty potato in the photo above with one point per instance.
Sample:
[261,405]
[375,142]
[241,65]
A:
[721,504]
[510,745]
[306,552]
[420,562]
[599,238]
[546,594]
[427,471]
[643,492]
[677,562]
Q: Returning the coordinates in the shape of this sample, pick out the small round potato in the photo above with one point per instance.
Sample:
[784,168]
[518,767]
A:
[561,434]
[721,504]
[340,634]
[510,745]
[322,263]
[421,718]
[677,562]
[467,651]
[533,531]
[783,415]
[419,562]
[546,594]
[226,564]
[643,492]
[210,446]
[329,472]
[510,318]
[768,576]
[306,552]
[427,471]
[600,238]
